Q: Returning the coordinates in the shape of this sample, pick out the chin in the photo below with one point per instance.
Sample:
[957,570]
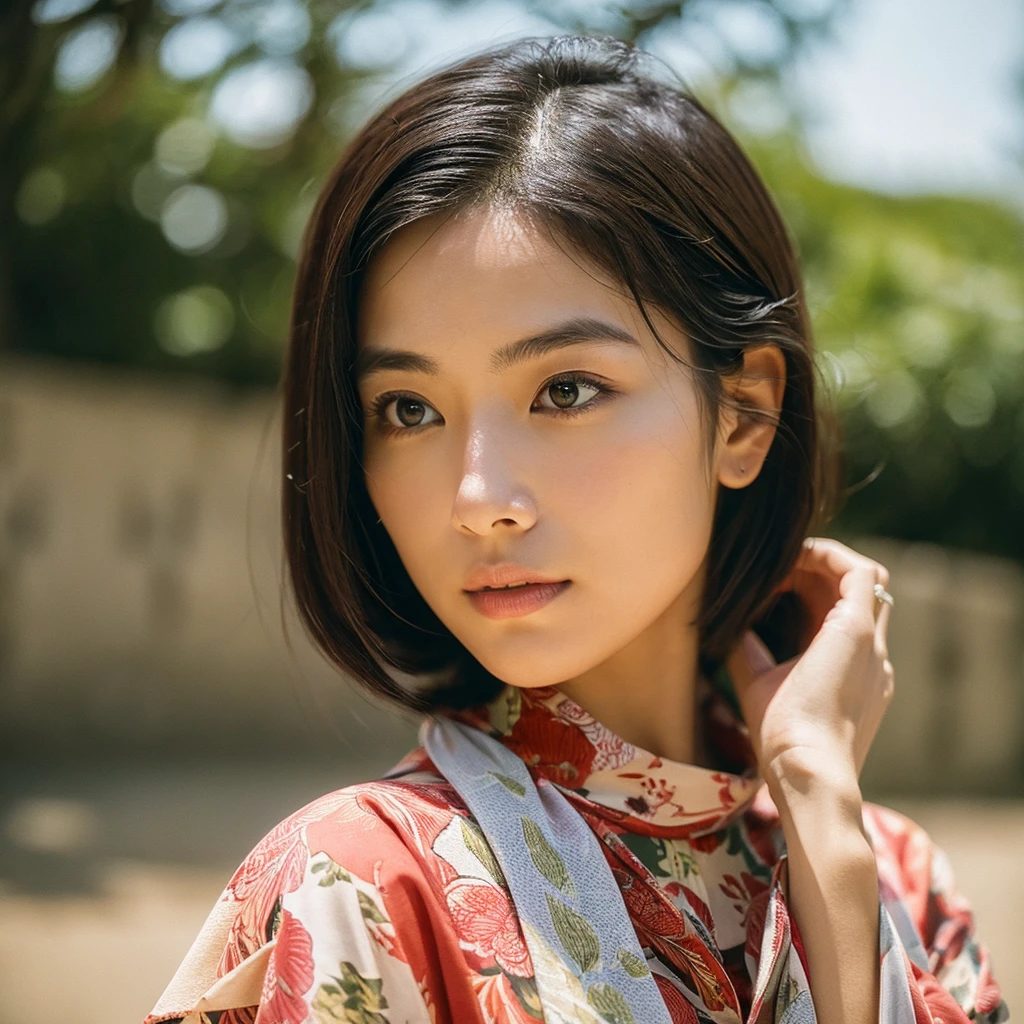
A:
[526,667]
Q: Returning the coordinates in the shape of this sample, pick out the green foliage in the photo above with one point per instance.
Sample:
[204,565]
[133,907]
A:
[138,229]
[918,307]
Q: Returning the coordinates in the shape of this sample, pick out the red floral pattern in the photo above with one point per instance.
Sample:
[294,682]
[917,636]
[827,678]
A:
[420,925]
[487,924]
[289,975]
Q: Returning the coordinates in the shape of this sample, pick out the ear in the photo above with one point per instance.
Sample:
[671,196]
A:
[744,439]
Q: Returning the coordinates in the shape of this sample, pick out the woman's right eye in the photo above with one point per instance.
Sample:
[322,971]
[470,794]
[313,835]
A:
[409,413]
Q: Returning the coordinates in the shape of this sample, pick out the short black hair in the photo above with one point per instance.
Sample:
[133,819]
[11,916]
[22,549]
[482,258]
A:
[631,170]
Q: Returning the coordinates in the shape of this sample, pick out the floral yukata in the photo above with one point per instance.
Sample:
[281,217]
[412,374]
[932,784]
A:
[383,903]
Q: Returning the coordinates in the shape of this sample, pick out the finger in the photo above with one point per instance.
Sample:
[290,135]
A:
[815,577]
[882,623]
[829,556]
[823,562]
[856,604]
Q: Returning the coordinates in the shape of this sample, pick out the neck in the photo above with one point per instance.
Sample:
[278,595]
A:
[646,692]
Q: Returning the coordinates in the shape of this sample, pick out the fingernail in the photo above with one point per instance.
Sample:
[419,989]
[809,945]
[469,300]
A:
[758,655]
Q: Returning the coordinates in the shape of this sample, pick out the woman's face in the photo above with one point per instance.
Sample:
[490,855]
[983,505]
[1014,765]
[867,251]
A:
[504,453]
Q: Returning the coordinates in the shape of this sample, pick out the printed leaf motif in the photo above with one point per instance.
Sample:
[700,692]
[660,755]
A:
[527,994]
[510,784]
[739,843]
[545,857]
[370,910]
[610,1003]
[649,851]
[477,845]
[353,1000]
[505,711]
[633,965]
[575,934]
[685,863]
[333,872]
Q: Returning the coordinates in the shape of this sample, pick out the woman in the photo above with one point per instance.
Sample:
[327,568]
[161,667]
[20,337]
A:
[552,454]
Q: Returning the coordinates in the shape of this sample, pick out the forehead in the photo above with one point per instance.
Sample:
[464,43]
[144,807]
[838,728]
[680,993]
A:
[495,272]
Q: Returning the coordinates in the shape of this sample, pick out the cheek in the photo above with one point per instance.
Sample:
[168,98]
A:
[413,498]
[644,482]
[400,492]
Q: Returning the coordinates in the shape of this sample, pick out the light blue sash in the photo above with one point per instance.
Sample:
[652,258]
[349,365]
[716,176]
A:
[588,964]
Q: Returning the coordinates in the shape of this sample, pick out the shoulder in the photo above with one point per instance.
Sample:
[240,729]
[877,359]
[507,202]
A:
[338,874]
[916,870]
[904,851]
[382,828]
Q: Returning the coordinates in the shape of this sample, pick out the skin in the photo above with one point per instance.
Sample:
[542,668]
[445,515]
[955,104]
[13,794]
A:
[619,499]
[616,499]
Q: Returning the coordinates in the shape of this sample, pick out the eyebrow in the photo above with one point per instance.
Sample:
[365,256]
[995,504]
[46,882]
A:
[574,331]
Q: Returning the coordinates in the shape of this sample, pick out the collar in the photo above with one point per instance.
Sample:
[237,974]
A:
[561,742]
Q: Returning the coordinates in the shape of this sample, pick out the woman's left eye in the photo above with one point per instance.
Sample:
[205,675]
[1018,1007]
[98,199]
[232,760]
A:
[567,388]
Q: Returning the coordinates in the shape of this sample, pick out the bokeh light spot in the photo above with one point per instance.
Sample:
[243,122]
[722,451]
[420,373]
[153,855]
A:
[894,399]
[261,104]
[194,218]
[47,12]
[196,47]
[41,196]
[925,338]
[198,319]
[970,399]
[185,147]
[283,28]
[87,53]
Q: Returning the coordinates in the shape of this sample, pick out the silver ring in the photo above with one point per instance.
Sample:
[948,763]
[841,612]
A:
[881,594]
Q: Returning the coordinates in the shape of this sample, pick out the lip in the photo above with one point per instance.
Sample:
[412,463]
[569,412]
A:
[504,574]
[510,604]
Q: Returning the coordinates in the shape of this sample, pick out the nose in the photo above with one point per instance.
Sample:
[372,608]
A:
[491,490]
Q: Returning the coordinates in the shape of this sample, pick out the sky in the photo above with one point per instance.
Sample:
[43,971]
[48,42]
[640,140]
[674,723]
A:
[911,96]
[917,95]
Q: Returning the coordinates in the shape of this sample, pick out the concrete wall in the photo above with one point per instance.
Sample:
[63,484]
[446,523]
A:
[140,576]
[140,598]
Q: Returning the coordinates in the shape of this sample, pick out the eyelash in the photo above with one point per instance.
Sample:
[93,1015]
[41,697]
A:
[381,402]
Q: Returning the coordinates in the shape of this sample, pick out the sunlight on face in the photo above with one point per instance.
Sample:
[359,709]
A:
[487,460]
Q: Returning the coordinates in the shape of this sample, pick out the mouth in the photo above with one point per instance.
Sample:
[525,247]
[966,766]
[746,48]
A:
[509,586]
[516,599]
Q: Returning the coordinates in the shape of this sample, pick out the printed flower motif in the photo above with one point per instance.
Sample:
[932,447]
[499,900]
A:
[560,751]
[742,891]
[498,1001]
[487,924]
[707,843]
[610,751]
[275,866]
[289,975]
[679,1007]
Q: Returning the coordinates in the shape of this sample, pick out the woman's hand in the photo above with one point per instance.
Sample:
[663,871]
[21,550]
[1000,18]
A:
[823,707]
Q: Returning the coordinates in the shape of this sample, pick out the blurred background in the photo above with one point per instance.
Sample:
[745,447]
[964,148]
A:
[158,161]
